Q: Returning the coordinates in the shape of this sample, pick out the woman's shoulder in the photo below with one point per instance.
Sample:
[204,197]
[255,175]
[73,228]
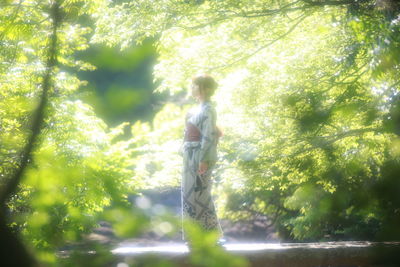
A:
[192,114]
[208,111]
[208,106]
[192,111]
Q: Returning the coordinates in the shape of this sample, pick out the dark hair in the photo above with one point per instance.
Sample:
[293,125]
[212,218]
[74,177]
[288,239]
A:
[205,81]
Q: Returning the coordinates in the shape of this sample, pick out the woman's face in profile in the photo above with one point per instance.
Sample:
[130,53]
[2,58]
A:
[195,91]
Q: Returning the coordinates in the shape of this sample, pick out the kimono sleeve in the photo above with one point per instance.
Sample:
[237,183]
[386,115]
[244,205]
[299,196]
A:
[208,134]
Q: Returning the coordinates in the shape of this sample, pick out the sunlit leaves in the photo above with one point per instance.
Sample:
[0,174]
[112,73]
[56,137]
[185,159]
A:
[303,97]
[75,171]
[309,115]
[126,221]
[158,160]
[205,250]
[76,174]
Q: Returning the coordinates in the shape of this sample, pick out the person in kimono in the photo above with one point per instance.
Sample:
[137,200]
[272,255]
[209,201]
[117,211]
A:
[199,152]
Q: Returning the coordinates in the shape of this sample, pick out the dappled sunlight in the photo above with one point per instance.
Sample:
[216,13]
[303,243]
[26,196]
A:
[95,98]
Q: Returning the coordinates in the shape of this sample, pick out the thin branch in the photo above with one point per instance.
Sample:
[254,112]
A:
[351,132]
[348,76]
[14,252]
[342,95]
[260,48]
[322,141]
[38,116]
[329,3]
[333,138]
[290,7]
[244,14]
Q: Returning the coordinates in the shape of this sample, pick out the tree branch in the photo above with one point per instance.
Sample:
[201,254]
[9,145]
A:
[290,7]
[302,17]
[321,141]
[329,3]
[13,252]
[38,116]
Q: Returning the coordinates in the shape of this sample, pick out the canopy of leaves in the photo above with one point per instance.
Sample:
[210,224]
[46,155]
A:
[76,168]
[80,170]
[308,100]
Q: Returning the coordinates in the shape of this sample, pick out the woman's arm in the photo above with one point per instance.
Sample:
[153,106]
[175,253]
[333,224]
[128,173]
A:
[208,133]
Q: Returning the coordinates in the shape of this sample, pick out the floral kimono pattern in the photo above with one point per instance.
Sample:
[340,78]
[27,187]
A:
[197,202]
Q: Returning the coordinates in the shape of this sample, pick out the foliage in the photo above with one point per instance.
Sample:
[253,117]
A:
[120,89]
[205,252]
[156,147]
[81,170]
[76,169]
[308,102]
[315,86]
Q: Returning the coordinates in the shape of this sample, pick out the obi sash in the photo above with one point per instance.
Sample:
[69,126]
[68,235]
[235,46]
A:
[192,133]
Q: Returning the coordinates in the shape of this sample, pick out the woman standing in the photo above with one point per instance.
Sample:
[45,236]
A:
[200,156]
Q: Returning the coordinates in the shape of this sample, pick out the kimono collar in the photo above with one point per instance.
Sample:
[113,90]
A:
[207,102]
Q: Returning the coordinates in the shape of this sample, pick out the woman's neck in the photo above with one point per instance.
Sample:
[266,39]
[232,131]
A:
[203,100]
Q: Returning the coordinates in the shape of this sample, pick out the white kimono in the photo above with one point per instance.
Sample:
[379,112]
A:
[197,202]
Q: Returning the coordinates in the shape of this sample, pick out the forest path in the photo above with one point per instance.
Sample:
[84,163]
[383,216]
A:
[258,254]
[349,253]
[252,239]
[256,229]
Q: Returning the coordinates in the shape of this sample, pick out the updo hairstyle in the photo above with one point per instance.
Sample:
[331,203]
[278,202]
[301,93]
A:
[204,81]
